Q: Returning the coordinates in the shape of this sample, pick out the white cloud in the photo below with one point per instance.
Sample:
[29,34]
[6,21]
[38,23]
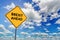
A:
[28,36]
[31,27]
[54,33]
[35,1]
[48,24]
[9,7]
[31,15]
[1,33]
[28,5]
[5,31]
[44,34]
[45,5]
[55,15]
[44,19]
[37,21]
[36,33]
[11,27]
[27,26]
[29,23]
[38,24]
[24,33]
[46,30]
[58,28]
[30,12]
[49,6]
[58,21]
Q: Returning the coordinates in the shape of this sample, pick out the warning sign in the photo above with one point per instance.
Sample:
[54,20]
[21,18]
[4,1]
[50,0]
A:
[16,16]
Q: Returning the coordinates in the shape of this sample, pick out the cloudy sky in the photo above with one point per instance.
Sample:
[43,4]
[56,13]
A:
[43,16]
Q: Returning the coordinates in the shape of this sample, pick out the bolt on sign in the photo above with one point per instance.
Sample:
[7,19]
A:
[16,16]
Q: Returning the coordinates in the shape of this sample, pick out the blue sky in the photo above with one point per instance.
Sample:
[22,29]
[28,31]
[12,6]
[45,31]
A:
[41,19]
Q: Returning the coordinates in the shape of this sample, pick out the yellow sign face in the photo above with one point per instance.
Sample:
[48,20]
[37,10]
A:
[16,16]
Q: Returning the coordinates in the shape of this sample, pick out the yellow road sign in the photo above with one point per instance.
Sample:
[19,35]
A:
[16,16]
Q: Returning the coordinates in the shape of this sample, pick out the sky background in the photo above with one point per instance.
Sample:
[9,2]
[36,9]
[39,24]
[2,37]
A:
[43,17]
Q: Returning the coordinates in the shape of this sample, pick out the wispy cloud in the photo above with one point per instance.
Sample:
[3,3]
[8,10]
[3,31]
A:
[11,27]
[24,33]
[38,33]
[58,21]
[5,31]
[46,30]
[58,28]
[9,7]
[48,24]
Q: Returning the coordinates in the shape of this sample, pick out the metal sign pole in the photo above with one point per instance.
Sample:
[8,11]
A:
[15,32]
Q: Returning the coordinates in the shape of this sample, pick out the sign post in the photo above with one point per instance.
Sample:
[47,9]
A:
[15,33]
[16,16]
